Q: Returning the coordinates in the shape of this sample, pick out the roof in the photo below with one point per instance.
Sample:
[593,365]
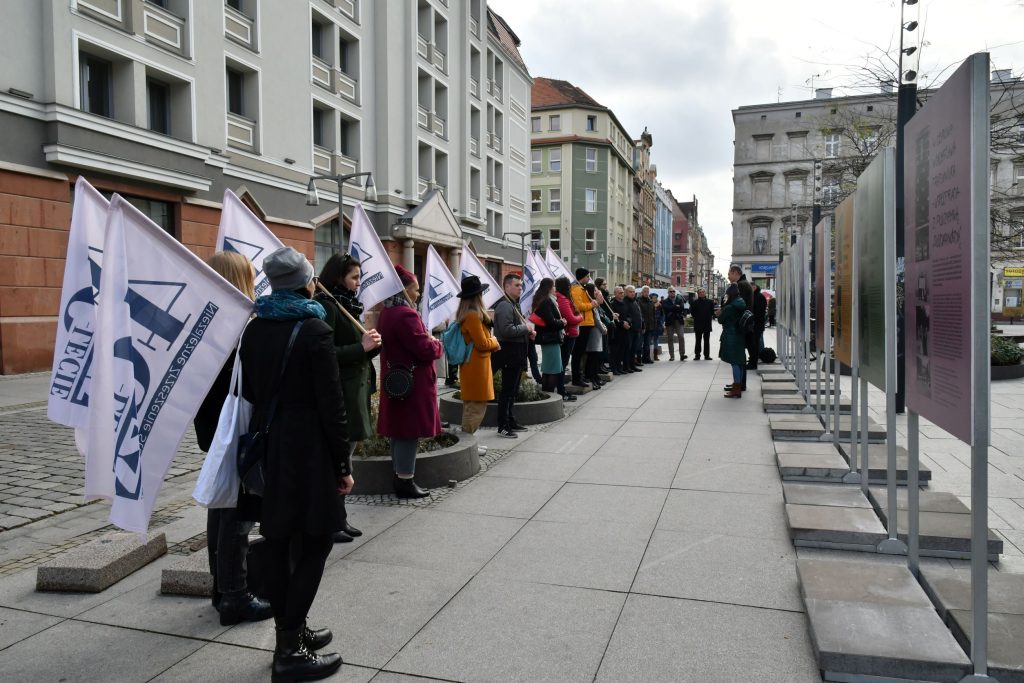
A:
[505,36]
[549,92]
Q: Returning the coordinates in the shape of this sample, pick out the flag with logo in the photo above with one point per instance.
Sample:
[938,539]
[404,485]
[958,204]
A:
[557,266]
[241,231]
[76,323]
[533,273]
[440,298]
[166,323]
[542,265]
[470,265]
[379,280]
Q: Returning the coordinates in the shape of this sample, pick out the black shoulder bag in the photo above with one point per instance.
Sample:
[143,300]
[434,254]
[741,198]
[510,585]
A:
[252,446]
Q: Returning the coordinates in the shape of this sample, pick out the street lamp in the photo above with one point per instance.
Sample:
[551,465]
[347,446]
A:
[313,197]
[535,244]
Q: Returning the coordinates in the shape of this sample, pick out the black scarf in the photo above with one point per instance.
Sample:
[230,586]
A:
[347,298]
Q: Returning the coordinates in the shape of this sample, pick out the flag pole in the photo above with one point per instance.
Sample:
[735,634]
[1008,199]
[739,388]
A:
[359,325]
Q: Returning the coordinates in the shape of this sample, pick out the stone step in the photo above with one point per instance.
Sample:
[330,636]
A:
[778,377]
[833,526]
[878,459]
[810,461]
[809,427]
[771,370]
[99,564]
[833,495]
[870,620]
[793,403]
[189,575]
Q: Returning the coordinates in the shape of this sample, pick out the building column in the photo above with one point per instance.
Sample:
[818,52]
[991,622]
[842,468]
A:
[455,262]
[408,257]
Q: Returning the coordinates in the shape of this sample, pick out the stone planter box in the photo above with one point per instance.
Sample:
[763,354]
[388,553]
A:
[1007,371]
[433,470]
[532,413]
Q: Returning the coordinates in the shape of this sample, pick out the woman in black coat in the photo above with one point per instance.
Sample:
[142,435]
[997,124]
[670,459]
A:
[307,460]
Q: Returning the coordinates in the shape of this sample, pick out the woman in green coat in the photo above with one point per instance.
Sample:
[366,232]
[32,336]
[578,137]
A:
[733,348]
[355,351]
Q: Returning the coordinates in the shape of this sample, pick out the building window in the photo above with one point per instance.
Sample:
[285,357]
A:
[759,238]
[318,127]
[97,85]
[555,200]
[590,239]
[797,115]
[236,92]
[535,202]
[591,159]
[590,201]
[494,268]
[535,160]
[535,124]
[591,123]
[159,96]
[1018,171]
[555,122]
[679,264]
[830,189]
[555,240]
[555,160]
[318,40]
[832,145]
[234,4]
[326,243]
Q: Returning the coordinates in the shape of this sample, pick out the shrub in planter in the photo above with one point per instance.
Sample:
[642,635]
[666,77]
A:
[380,446]
[529,391]
[1005,352]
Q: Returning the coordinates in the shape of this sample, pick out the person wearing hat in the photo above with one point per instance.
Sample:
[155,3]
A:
[585,305]
[408,344]
[475,377]
[307,463]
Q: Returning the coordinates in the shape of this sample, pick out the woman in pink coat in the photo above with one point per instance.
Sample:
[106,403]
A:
[407,344]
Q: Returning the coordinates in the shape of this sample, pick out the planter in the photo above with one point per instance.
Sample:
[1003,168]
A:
[534,412]
[1007,371]
[433,470]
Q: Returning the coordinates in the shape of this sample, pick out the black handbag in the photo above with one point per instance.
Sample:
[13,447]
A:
[252,446]
[398,381]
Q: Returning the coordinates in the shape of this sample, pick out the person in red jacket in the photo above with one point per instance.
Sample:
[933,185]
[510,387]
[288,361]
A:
[406,343]
[572,318]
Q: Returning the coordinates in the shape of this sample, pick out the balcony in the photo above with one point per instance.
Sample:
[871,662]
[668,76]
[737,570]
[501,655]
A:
[163,28]
[422,47]
[438,58]
[321,73]
[422,186]
[239,27]
[494,89]
[347,7]
[494,142]
[474,147]
[474,88]
[423,117]
[241,132]
[345,164]
[474,207]
[322,160]
[474,27]
[494,193]
[437,124]
[346,86]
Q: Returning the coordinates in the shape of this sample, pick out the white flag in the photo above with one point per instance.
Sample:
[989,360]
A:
[470,265]
[76,322]
[440,298]
[379,278]
[542,266]
[166,323]
[557,266]
[241,231]
[533,273]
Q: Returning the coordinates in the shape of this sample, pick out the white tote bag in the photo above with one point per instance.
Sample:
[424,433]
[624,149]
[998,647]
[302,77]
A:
[217,486]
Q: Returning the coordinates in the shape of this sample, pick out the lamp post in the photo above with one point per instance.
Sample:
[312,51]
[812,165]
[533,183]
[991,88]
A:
[522,243]
[313,197]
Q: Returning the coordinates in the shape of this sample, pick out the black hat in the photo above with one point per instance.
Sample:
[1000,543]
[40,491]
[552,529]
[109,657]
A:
[471,287]
[581,273]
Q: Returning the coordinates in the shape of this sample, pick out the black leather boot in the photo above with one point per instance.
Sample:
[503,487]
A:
[407,488]
[351,530]
[314,639]
[238,607]
[293,661]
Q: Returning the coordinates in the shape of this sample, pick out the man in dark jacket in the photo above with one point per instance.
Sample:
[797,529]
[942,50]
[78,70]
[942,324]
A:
[647,312]
[703,311]
[620,340]
[675,321]
[513,334]
[636,329]
[760,310]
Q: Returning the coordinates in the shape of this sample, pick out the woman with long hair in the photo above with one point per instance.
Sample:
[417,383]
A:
[550,330]
[476,379]
[595,342]
[571,314]
[733,346]
[355,351]
[408,344]
[227,529]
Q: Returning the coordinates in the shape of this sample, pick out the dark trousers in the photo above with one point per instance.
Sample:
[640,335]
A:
[705,337]
[227,546]
[638,345]
[620,350]
[531,353]
[295,566]
[578,350]
[752,342]
[511,376]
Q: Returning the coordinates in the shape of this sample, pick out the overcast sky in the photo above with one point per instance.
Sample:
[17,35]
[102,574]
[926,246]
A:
[679,67]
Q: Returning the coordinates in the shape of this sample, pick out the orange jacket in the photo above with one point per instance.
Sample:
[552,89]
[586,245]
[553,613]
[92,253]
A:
[584,304]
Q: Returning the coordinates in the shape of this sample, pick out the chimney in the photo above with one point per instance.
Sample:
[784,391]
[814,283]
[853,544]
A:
[823,93]
[1002,76]
[888,87]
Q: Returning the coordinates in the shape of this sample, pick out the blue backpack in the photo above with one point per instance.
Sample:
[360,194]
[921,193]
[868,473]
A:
[455,347]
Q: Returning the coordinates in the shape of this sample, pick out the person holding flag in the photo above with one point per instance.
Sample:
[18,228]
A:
[515,335]
[585,305]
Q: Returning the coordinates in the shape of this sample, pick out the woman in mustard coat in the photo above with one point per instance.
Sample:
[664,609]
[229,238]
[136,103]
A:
[475,376]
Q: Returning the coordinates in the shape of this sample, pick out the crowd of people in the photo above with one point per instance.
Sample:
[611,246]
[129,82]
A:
[307,368]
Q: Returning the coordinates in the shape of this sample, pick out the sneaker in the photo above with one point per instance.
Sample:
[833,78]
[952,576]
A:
[507,433]
[516,427]
[568,398]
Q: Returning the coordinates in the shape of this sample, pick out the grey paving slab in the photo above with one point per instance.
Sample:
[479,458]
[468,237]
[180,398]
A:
[1005,643]
[948,532]
[878,463]
[598,413]
[649,446]
[834,525]
[509,630]
[601,556]
[788,388]
[675,430]
[701,565]
[730,514]
[837,495]
[92,652]
[884,640]
[390,677]
[658,413]
[596,504]
[584,444]
[928,501]
[500,496]
[218,663]
[97,565]
[620,398]
[580,425]
[547,466]
[728,477]
[16,625]
[824,466]
[778,377]
[627,471]
[188,575]
[446,541]
[860,582]
[665,639]
[953,589]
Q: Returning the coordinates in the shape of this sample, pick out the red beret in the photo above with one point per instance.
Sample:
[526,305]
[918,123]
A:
[404,275]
